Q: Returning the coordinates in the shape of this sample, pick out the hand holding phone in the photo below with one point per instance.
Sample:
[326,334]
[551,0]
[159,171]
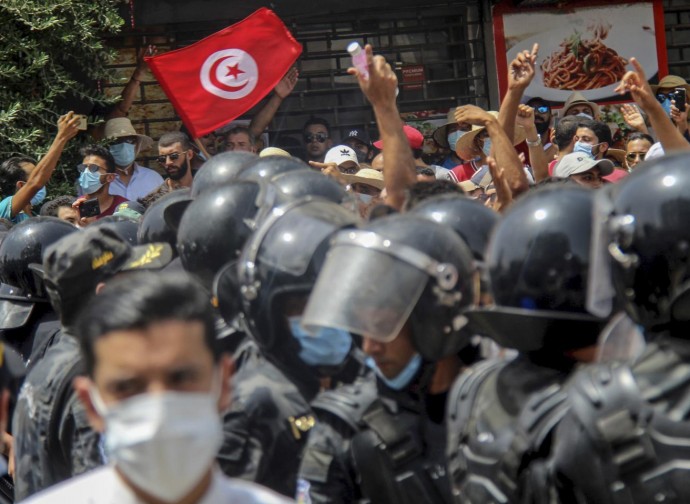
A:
[680,99]
[89,208]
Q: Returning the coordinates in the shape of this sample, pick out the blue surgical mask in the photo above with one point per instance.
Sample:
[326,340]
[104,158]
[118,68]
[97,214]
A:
[486,148]
[586,116]
[666,105]
[124,154]
[39,197]
[584,148]
[329,347]
[454,137]
[364,198]
[404,377]
[90,182]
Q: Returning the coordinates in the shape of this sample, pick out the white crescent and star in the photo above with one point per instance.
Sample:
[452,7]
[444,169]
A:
[231,74]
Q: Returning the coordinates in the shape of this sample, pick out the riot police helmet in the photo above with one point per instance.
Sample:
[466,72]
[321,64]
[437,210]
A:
[221,169]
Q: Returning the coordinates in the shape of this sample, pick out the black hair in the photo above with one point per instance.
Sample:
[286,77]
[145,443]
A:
[537,99]
[241,129]
[424,190]
[638,135]
[11,172]
[168,139]
[565,131]
[50,208]
[600,129]
[101,152]
[425,170]
[317,120]
[139,300]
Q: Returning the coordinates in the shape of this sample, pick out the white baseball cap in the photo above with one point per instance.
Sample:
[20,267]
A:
[577,162]
[341,154]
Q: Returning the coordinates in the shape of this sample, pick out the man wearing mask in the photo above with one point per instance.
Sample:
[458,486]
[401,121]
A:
[133,181]
[577,105]
[96,173]
[155,386]
[447,135]
[592,138]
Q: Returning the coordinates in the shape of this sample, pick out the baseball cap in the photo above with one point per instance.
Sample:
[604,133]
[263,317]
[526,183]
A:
[359,134]
[341,154]
[576,162]
[414,138]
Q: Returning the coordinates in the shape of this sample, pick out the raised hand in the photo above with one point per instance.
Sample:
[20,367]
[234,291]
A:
[521,69]
[380,88]
[287,83]
[635,83]
[471,114]
[633,117]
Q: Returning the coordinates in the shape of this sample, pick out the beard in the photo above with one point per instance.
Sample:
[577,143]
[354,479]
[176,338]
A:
[180,172]
[542,127]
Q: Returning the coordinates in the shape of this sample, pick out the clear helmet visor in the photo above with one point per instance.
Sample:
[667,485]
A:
[15,308]
[600,290]
[620,341]
[364,291]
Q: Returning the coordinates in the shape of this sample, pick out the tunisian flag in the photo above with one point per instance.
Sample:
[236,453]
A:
[219,78]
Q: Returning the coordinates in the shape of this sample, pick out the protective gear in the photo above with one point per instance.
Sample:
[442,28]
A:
[159,222]
[125,227]
[268,167]
[150,437]
[398,268]
[641,245]
[486,147]
[298,184]
[624,437]
[538,262]
[365,198]
[283,259]
[454,137]
[584,148]
[471,220]
[666,105]
[330,347]
[220,170]
[24,245]
[124,154]
[586,116]
[39,197]
[90,182]
[214,228]
[403,379]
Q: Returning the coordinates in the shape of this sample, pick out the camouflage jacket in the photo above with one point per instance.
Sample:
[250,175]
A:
[52,437]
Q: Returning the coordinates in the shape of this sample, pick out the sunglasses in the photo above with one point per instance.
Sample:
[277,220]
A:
[173,157]
[93,168]
[632,156]
[542,109]
[319,137]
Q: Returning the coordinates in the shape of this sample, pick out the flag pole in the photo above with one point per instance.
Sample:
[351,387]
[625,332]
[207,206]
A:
[202,148]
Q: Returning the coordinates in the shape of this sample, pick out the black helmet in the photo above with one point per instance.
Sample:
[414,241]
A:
[214,228]
[398,269]
[471,220]
[268,167]
[538,263]
[24,245]
[298,184]
[645,239]
[155,227]
[124,226]
[281,259]
[221,169]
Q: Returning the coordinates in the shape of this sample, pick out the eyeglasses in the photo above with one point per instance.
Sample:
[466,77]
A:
[174,156]
[542,109]
[93,168]
[129,140]
[632,156]
[319,137]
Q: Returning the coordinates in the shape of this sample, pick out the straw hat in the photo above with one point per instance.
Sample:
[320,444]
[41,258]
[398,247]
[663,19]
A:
[465,148]
[122,127]
[671,81]
[274,151]
[440,134]
[578,98]
[367,176]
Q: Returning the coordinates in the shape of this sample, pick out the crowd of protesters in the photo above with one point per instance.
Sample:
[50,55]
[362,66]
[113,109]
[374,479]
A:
[355,321]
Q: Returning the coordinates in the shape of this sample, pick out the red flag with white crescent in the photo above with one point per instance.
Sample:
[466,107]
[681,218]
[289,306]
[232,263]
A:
[219,78]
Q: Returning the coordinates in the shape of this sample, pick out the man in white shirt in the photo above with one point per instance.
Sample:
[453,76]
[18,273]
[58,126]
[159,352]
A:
[133,181]
[155,387]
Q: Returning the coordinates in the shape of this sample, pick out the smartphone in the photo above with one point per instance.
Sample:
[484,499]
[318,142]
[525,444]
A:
[680,99]
[82,122]
[90,208]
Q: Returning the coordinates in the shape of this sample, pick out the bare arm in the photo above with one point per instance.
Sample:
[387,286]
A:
[130,90]
[635,82]
[398,164]
[537,155]
[67,129]
[263,117]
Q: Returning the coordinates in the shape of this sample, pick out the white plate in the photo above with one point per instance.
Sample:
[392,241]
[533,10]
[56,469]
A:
[627,40]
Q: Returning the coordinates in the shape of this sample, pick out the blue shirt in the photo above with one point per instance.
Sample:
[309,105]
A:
[6,211]
[142,182]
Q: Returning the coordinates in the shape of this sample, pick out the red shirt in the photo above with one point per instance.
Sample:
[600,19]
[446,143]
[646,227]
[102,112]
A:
[113,206]
[465,171]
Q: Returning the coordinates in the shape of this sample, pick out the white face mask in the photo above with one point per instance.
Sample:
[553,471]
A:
[163,443]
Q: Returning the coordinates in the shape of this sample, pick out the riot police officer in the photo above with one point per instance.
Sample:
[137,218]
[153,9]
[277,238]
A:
[270,417]
[624,439]
[401,283]
[500,411]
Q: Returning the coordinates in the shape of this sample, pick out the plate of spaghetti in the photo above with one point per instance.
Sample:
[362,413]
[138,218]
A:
[591,61]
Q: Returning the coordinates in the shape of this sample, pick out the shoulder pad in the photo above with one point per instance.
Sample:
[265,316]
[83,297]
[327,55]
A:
[348,403]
